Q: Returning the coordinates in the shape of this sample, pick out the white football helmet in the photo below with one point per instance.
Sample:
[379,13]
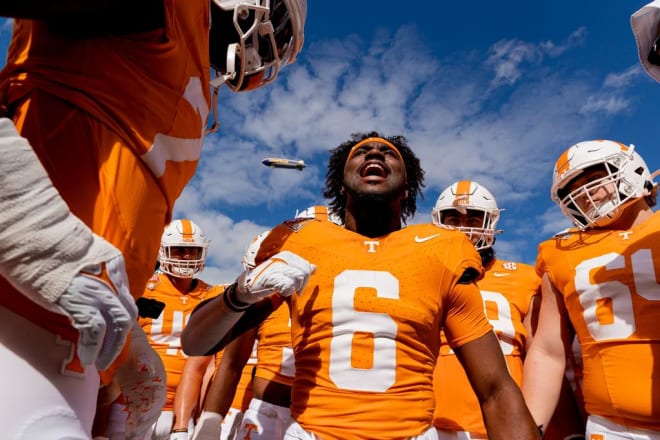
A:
[628,178]
[182,233]
[319,212]
[464,195]
[250,40]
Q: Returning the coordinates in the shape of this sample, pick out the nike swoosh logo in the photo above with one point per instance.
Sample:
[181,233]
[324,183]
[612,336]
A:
[423,239]
[501,274]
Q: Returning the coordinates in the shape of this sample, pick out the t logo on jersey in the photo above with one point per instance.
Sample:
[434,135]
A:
[625,235]
[372,245]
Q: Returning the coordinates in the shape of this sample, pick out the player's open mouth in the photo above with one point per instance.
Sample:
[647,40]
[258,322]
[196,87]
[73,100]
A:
[373,169]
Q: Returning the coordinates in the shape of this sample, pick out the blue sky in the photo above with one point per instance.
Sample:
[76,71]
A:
[487,91]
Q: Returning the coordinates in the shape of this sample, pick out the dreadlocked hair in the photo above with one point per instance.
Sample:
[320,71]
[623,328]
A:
[334,178]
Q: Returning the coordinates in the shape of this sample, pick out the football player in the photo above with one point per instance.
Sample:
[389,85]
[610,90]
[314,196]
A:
[600,282]
[645,24]
[77,81]
[509,291]
[182,257]
[366,320]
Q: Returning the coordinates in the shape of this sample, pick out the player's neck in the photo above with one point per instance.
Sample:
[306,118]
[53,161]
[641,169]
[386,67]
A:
[372,224]
[634,214]
[183,285]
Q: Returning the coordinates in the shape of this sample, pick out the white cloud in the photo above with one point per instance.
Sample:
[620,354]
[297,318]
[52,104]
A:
[553,221]
[605,103]
[575,39]
[623,79]
[506,58]
[509,58]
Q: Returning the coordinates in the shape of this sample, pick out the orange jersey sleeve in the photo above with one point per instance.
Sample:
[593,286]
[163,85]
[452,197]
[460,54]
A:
[366,329]
[164,333]
[506,290]
[609,283]
[151,88]
[274,352]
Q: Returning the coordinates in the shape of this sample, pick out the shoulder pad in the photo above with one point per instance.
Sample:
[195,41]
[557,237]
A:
[295,224]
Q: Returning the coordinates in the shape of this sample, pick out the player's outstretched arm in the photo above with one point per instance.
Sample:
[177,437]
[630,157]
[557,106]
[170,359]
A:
[285,273]
[505,414]
[52,257]
[545,362]
[188,393]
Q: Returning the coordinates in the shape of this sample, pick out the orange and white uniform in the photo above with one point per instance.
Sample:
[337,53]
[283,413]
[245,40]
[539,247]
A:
[507,289]
[117,122]
[366,329]
[164,333]
[275,363]
[609,283]
[131,113]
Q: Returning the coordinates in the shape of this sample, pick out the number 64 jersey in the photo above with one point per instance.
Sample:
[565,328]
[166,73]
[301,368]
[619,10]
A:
[609,283]
[365,330]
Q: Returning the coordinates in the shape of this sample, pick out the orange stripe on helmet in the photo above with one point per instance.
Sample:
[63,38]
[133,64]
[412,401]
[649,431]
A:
[187,230]
[463,192]
[624,147]
[378,140]
[563,163]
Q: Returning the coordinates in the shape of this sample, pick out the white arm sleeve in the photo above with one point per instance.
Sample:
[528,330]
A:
[644,25]
[42,244]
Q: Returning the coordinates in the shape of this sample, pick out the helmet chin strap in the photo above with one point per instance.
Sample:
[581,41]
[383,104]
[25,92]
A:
[216,83]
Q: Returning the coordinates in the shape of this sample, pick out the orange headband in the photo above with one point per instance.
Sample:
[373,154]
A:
[375,139]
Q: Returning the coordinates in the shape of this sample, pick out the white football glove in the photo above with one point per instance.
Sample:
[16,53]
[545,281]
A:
[209,426]
[284,273]
[143,382]
[101,308]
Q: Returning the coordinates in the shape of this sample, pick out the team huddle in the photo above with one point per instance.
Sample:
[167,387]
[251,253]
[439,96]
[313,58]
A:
[347,323]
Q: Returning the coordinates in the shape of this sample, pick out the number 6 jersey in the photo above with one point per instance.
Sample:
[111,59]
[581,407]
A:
[609,283]
[365,330]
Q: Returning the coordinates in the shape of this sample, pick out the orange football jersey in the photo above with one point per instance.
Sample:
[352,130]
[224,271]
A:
[151,90]
[609,283]
[274,352]
[507,289]
[167,69]
[366,329]
[164,333]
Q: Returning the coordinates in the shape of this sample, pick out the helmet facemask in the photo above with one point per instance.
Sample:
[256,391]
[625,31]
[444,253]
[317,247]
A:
[618,179]
[183,249]
[250,40]
[173,263]
[469,199]
[482,237]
